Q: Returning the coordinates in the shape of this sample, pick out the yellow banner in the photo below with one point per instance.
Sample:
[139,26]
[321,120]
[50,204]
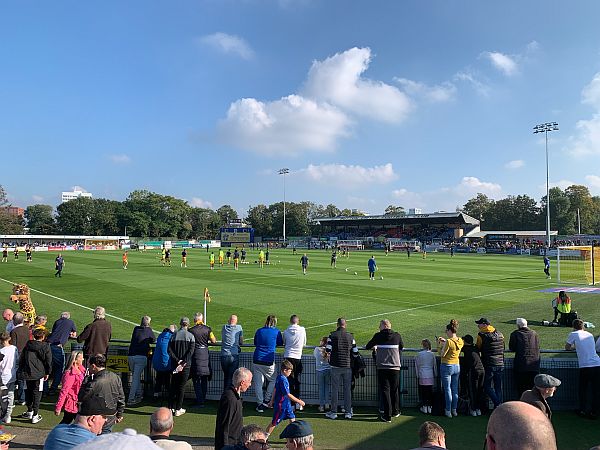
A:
[117,363]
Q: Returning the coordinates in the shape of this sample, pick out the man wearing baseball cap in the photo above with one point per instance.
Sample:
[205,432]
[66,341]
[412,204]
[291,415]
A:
[544,386]
[298,436]
[490,343]
[88,423]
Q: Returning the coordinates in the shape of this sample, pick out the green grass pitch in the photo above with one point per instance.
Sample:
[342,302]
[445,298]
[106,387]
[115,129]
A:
[418,295]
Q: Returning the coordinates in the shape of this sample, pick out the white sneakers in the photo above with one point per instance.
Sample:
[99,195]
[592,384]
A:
[454,413]
[331,415]
[27,415]
[348,415]
[447,413]
[423,409]
[36,419]
[179,412]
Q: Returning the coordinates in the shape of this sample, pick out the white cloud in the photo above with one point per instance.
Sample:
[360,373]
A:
[229,44]
[594,183]
[563,184]
[504,63]
[338,80]
[473,185]
[468,76]
[78,188]
[533,47]
[437,93]
[197,202]
[349,176]
[37,198]
[591,93]
[284,126]
[120,159]
[586,141]
[515,164]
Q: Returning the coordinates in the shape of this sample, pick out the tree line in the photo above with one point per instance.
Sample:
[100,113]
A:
[149,214]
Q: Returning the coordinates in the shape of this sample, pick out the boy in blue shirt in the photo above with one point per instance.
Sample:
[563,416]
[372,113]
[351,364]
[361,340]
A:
[372,267]
[282,401]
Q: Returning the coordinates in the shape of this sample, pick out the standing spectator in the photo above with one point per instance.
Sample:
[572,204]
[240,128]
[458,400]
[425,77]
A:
[19,336]
[389,345]
[59,264]
[72,380]
[323,370]
[475,375]
[141,338]
[96,335]
[294,340]
[490,343]
[228,424]
[341,348]
[449,350]
[8,376]
[426,368]
[62,330]
[40,323]
[526,345]
[589,369]
[544,387]
[161,427]
[431,437]
[105,385]
[161,361]
[181,350]
[298,436]
[263,360]
[35,365]
[8,315]
[201,371]
[232,338]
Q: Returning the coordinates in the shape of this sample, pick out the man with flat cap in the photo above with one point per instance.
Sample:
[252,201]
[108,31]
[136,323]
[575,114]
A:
[298,436]
[544,386]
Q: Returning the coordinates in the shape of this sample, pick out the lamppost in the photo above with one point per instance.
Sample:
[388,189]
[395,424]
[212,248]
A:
[545,128]
[283,172]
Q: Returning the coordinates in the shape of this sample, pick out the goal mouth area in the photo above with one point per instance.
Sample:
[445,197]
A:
[578,264]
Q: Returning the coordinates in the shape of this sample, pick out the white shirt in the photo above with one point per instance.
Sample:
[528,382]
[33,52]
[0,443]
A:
[586,350]
[294,339]
[8,365]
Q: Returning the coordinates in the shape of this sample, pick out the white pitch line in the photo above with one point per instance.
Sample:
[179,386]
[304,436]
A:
[75,304]
[320,291]
[426,306]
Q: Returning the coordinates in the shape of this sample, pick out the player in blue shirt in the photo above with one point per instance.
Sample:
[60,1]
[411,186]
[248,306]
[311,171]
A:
[372,267]
[282,401]
[304,262]
[547,267]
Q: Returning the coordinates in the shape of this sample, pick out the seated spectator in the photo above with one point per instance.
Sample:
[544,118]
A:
[87,425]
[71,383]
[8,374]
[161,426]
[35,364]
[544,386]
[298,436]
[125,440]
[252,437]
[519,426]
[431,436]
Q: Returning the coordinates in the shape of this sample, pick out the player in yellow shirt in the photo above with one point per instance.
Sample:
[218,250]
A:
[261,259]
[211,258]
[125,262]
[221,257]
[163,254]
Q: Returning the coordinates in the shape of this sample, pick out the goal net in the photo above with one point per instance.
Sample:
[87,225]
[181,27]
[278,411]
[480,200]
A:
[579,264]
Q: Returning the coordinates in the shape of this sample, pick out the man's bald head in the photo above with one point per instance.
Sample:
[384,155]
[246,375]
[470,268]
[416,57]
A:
[519,426]
[161,422]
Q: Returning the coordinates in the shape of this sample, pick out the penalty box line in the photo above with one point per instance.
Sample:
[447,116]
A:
[449,302]
[75,304]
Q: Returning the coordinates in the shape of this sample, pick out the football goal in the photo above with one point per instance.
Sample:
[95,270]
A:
[579,264]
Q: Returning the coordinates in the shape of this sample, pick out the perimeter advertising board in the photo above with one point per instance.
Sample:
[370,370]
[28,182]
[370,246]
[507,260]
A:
[237,235]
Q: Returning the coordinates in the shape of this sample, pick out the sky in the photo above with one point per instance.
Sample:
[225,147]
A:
[420,104]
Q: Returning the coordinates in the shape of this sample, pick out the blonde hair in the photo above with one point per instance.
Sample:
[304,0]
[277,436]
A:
[99,312]
[72,358]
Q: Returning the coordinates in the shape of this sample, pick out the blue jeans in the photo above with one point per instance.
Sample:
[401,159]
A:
[493,374]
[58,365]
[200,388]
[449,373]
[137,364]
[324,383]
[229,364]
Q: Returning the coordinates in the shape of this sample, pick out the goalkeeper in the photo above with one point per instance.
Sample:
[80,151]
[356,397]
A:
[547,267]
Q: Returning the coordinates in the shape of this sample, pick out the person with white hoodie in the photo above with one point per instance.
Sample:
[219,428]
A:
[8,374]
[294,340]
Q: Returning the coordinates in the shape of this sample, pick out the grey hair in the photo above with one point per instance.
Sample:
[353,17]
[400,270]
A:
[146,321]
[65,315]
[386,324]
[99,312]
[251,433]
[239,375]
[303,442]
[198,316]
[184,322]
[521,323]
[160,426]
[18,318]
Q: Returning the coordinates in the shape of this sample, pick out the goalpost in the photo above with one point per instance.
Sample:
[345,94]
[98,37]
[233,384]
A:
[579,264]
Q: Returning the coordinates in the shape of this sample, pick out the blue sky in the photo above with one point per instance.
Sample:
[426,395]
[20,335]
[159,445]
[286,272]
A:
[413,103]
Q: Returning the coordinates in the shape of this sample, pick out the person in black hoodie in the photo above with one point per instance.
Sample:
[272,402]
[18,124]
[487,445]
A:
[475,373]
[35,365]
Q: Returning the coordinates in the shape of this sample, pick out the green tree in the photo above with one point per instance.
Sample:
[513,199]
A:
[9,224]
[478,207]
[227,213]
[581,200]
[40,219]
[394,210]
[561,217]
[261,220]
[331,211]
[75,216]
[205,223]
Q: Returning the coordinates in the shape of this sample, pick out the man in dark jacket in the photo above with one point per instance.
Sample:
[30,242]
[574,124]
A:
[96,335]
[201,370]
[19,336]
[490,343]
[544,387]
[389,345]
[137,357]
[228,425]
[101,383]
[35,364]
[526,345]
[341,348]
[181,350]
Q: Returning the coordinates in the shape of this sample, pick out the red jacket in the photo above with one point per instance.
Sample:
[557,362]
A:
[71,383]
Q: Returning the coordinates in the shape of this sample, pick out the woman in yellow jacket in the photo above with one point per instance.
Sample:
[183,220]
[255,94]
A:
[449,350]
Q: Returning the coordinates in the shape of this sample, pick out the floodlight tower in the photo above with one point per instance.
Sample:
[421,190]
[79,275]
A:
[284,172]
[545,128]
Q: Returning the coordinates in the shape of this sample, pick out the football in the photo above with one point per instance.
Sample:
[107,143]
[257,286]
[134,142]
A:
[355,273]
[381,277]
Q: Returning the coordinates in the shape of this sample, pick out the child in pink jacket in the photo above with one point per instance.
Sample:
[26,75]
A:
[71,383]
